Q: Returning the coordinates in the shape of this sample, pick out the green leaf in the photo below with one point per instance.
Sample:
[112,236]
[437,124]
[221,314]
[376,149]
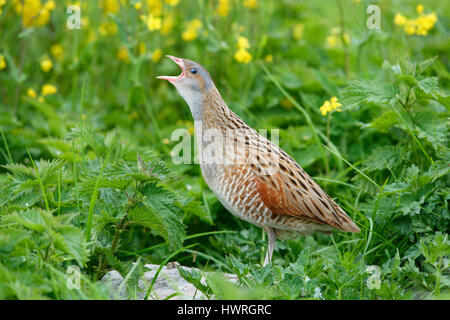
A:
[70,240]
[432,128]
[160,212]
[359,92]
[384,157]
[429,85]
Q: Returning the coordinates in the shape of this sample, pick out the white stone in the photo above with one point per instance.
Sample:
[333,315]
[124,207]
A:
[169,281]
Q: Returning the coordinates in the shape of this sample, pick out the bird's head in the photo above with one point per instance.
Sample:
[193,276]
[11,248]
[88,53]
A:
[194,84]
[193,78]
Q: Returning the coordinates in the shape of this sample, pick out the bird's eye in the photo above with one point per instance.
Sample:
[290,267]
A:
[193,70]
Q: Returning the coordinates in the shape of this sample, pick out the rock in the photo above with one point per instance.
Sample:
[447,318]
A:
[169,282]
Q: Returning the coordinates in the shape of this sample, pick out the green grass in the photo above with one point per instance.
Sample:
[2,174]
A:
[87,179]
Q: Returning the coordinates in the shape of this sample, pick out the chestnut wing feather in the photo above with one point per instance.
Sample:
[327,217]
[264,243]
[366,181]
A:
[290,191]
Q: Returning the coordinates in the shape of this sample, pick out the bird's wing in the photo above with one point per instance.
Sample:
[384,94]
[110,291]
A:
[289,190]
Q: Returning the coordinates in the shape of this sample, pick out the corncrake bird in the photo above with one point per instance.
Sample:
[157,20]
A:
[251,176]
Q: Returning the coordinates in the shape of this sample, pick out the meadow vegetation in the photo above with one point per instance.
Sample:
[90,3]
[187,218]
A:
[87,179]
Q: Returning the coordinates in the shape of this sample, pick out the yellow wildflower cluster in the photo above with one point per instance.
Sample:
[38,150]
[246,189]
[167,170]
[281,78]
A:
[46,90]
[335,37]
[242,55]
[155,7]
[223,8]
[2,62]
[34,13]
[110,6]
[251,4]
[2,3]
[108,27]
[153,22]
[167,24]
[330,105]
[46,64]
[419,26]
[191,32]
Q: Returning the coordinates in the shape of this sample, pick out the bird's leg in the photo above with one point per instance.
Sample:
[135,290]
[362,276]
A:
[272,238]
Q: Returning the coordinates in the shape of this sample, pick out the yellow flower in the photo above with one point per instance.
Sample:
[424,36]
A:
[400,20]
[34,14]
[2,62]
[251,4]
[243,56]
[330,105]
[166,141]
[335,36]
[153,23]
[419,26]
[2,3]
[297,31]
[419,8]
[108,28]
[223,8]
[155,7]
[48,89]
[50,5]
[167,24]
[410,27]
[424,23]
[191,32]
[57,51]
[122,55]
[85,22]
[110,6]
[31,93]
[196,23]
[46,65]
[172,3]
[142,48]
[138,5]
[243,43]
[332,40]
[269,58]
[156,55]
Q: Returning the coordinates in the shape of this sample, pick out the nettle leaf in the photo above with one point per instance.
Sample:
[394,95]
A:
[195,207]
[359,92]
[87,186]
[385,157]
[195,277]
[160,212]
[32,219]
[70,240]
[95,141]
[429,85]
[396,187]
[432,128]
[423,65]
[385,122]
[20,169]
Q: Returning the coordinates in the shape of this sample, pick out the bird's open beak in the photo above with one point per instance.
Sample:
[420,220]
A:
[179,62]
